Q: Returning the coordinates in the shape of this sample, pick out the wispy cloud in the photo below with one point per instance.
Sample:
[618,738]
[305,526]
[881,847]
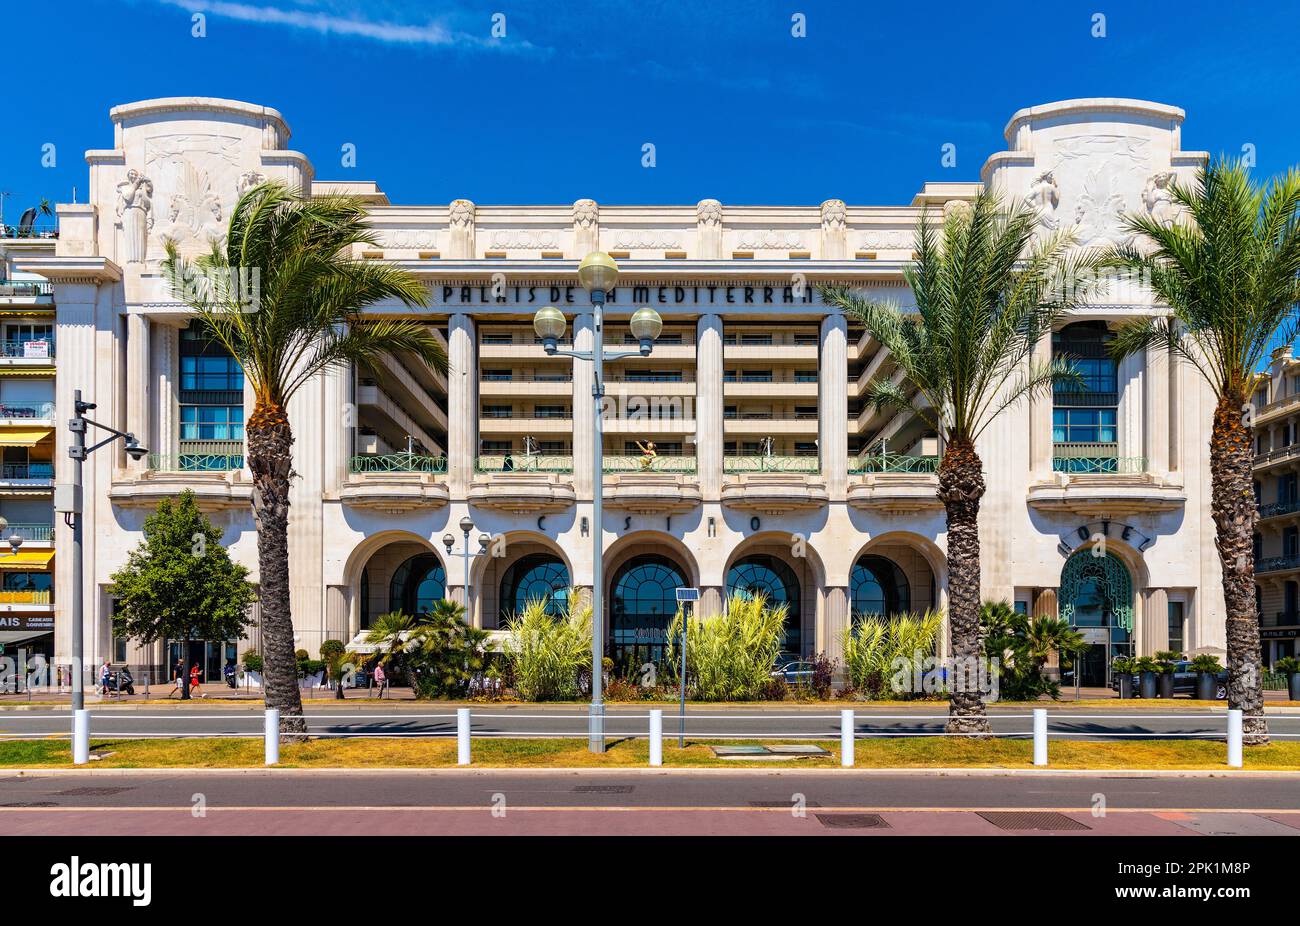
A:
[327,22]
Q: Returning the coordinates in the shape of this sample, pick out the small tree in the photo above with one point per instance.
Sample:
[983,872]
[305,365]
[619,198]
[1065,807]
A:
[180,582]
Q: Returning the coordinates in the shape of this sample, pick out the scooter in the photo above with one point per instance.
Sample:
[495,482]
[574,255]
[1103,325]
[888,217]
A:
[229,673]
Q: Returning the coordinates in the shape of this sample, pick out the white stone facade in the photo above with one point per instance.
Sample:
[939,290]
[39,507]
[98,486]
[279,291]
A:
[755,392]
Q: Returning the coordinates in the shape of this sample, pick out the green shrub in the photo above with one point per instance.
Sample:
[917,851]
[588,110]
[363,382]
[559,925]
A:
[729,656]
[252,660]
[1287,665]
[874,645]
[1206,663]
[547,653]
[1168,661]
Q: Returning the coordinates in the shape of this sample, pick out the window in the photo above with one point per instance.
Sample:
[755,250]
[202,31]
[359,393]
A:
[1288,487]
[496,446]
[22,333]
[729,411]
[550,411]
[806,412]
[776,582]
[805,338]
[497,376]
[755,339]
[805,376]
[653,376]
[211,374]
[1176,626]
[1097,375]
[212,422]
[756,376]
[498,411]
[1291,542]
[497,338]
[535,577]
[119,649]
[805,448]
[552,446]
[1084,426]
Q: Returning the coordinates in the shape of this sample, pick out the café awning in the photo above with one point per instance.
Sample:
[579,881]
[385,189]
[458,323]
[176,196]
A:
[26,559]
[23,437]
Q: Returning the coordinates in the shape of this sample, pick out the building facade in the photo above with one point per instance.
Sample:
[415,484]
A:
[739,455]
[1276,410]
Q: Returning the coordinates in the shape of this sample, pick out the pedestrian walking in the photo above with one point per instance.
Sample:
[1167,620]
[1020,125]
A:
[381,678]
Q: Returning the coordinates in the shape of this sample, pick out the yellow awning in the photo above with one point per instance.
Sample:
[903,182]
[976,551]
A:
[26,559]
[23,437]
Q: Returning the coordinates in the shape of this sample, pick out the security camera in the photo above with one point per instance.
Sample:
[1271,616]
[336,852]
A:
[137,452]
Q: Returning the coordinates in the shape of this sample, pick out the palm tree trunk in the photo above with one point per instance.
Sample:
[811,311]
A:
[270,457]
[1232,504]
[961,485]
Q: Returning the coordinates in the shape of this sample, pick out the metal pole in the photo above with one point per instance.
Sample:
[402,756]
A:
[469,618]
[1234,738]
[1040,736]
[80,736]
[77,452]
[596,729]
[681,713]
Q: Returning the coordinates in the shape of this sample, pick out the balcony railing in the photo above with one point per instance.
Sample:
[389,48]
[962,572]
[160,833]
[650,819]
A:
[892,463]
[763,463]
[662,463]
[40,470]
[35,230]
[29,348]
[397,463]
[1279,508]
[26,596]
[527,377]
[200,457]
[1288,618]
[1094,458]
[37,533]
[40,410]
[1278,563]
[534,463]
[26,288]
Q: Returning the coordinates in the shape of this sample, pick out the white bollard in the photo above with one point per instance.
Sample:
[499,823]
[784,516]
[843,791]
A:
[1234,739]
[656,737]
[846,738]
[462,736]
[271,733]
[80,737]
[1040,736]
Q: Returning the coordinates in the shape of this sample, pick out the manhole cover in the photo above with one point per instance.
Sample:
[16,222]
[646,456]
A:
[852,821]
[786,804]
[91,792]
[30,804]
[1031,820]
[603,789]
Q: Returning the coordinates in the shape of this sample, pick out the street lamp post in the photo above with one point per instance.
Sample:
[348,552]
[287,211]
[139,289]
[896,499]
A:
[67,500]
[598,273]
[15,541]
[448,541]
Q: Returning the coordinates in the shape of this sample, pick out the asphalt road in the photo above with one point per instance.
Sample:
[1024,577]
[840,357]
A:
[785,802]
[378,719]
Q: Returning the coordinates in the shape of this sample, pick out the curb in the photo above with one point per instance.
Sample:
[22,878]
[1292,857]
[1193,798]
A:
[641,771]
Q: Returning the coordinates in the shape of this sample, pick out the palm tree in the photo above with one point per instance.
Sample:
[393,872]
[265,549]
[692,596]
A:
[1228,276]
[986,294]
[305,318]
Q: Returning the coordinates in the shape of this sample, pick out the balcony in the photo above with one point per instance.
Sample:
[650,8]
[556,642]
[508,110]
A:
[1093,458]
[30,352]
[31,532]
[1277,509]
[36,230]
[13,290]
[1277,564]
[1276,456]
[772,484]
[200,457]
[532,484]
[555,385]
[1089,483]
[530,463]
[766,425]
[43,597]
[664,484]
[213,470]
[891,483]
[20,413]
[39,471]
[396,483]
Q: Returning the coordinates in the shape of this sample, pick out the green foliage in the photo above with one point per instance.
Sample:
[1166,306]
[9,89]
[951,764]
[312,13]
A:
[877,649]
[1124,665]
[252,660]
[729,656]
[1168,660]
[547,652]
[437,652]
[180,582]
[1023,646]
[1205,663]
[1147,664]
[1287,665]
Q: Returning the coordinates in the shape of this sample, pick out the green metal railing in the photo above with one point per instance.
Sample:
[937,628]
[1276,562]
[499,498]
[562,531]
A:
[200,457]
[396,463]
[892,463]
[1077,465]
[535,463]
[761,463]
[667,463]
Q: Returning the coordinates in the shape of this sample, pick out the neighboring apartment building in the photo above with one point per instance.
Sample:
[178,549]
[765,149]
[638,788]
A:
[770,469]
[1277,533]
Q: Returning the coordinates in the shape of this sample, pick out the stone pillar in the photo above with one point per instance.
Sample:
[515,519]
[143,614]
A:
[711,599]
[462,402]
[1129,415]
[583,426]
[1045,603]
[586,228]
[708,229]
[137,385]
[338,607]
[340,426]
[837,621]
[1177,367]
[164,345]
[1151,626]
[835,233]
[708,405]
[1156,431]
[460,216]
[833,406]
[1040,420]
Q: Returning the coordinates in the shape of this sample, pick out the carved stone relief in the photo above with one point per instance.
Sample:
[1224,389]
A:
[197,179]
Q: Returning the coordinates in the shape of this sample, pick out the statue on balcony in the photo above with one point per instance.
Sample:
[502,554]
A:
[648,454]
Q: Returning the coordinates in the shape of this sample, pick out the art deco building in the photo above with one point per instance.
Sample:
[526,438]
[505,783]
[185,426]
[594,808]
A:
[770,471]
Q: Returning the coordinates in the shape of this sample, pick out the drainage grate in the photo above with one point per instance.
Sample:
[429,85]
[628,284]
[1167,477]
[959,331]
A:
[852,821]
[603,789]
[1019,820]
[786,804]
[30,804]
[91,792]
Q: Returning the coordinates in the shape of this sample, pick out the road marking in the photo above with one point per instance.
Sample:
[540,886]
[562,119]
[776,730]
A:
[476,808]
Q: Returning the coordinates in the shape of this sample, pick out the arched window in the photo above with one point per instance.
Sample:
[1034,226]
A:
[878,587]
[418,584]
[535,577]
[643,602]
[1096,595]
[771,577]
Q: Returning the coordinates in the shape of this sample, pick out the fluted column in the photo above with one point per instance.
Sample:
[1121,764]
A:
[138,358]
[837,621]
[583,428]
[462,402]
[340,424]
[1152,626]
[835,232]
[708,405]
[1131,405]
[1045,603]
[708,229]
[1040,420]
[833,406]
[460,217]
[1156,429]
[164,345]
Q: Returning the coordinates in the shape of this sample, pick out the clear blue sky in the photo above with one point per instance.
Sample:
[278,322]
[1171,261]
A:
[737,108]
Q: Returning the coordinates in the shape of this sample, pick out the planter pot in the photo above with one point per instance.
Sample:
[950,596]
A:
[1206,686]
[1293,682]
[1166,684]
[1148,684]
[1126,685]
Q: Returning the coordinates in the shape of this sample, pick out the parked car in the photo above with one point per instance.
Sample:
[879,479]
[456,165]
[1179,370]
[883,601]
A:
[799,672]
[1184,682]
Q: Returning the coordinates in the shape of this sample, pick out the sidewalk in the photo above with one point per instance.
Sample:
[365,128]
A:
[211,693]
